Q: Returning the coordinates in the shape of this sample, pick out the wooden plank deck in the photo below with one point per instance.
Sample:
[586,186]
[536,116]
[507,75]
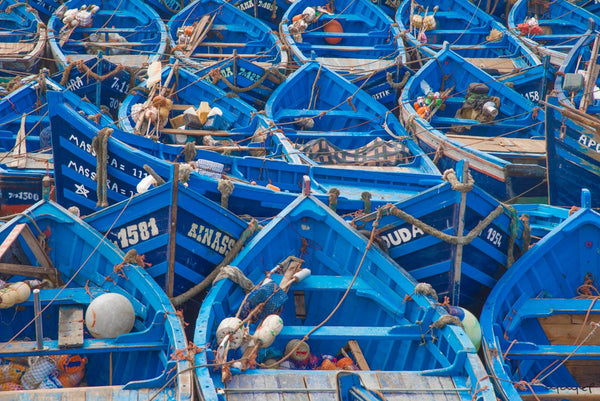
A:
[14,48]
[105,393]
[321,386]
[502,65]
[502,144]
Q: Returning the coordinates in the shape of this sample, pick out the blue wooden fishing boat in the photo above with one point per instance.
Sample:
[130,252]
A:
[540,218]
[23,38]
[550,28]
[270,12]
[25,143]
[240,77]
[571,124]
[235,123]
[471,32]
[166,8]
[338,115]
[350,300]
[141,355]
[207,31]
[385,86]
[99,81]
[127,32]
[459,112]
[465,273]
[204,234]
[257,186]
[45,8]
[539,322]
[354,38]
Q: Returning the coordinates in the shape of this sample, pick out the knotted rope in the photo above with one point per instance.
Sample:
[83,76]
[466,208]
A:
[157,178]
[225,187]
[100,144]
[366,198]
[450,176]
[233,252]
[334,193]
[189,152]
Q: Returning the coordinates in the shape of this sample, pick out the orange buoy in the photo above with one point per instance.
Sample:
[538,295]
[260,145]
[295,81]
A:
[333,26]
[297,17]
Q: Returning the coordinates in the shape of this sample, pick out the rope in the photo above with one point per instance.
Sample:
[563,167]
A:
[184,172]
[216,76]
[450,176]
[234,274]
[426,228]
[74,210]
[157,178]
[225,187]
[366,198]
[82,67]
[426,289]
[526,232]
[446,320]
[189,152]
[333,198]
[397,85]
[514,219]
[233,252]
[99,144]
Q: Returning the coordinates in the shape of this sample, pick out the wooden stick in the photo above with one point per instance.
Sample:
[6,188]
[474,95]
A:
[170,280]
[590,77]
[195,132]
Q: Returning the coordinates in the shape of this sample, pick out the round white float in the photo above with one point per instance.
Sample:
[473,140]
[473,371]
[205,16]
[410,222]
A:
[109,316]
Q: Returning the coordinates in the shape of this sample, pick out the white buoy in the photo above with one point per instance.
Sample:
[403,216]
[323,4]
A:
[109,316]
[22,290]
[470,324]
[274,323]
[233,327]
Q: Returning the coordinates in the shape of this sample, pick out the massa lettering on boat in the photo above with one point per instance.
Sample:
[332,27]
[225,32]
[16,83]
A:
[88,170]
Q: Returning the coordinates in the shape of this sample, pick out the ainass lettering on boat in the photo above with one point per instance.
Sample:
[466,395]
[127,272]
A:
[214,239]
[401,235]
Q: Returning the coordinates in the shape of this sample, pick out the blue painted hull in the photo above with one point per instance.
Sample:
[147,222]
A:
[21,176]
[367,288]
[263,10]
[541,218]
[536,322]
[75,168]
[573,161]
[432,260]
[108,92]
[205,232]
[240,75]
[507,170]
[135,364]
